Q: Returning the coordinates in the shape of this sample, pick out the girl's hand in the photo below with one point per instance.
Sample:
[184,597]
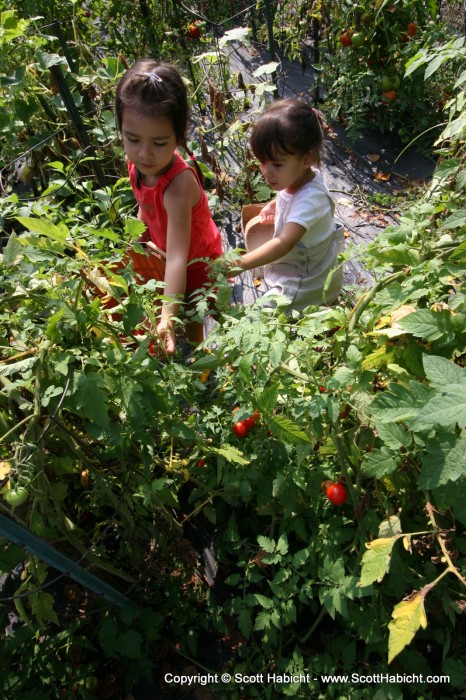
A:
[268,213]
[166,333]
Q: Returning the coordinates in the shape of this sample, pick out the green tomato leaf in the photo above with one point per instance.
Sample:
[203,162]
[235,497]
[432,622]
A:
[284,429]
[440,371]
[240,34]
[262,621]
[393,435]
[455,220]
[400,402]
[263,601]
[45,228]
[245,622]
[42,605]
[429,325]
[445,461]
[12,251]
[376,561]
[231,454]
[379,463]
[90,399]
[447,408]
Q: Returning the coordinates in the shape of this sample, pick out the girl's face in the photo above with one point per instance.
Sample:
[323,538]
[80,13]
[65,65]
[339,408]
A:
[287,172]
[149,143]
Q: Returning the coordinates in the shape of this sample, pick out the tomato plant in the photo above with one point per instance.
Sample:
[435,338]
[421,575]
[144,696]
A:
[384,41]
[108,434]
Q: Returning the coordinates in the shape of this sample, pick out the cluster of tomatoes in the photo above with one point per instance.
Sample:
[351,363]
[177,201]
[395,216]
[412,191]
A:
[411,30]
[335,492]
[242,427]
[346,38]
[352,38]
[196,29]
[357,39]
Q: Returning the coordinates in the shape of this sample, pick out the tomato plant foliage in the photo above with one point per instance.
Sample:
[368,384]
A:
[102,443]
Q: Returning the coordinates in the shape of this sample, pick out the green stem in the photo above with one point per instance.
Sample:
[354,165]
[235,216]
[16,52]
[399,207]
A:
[18,425]
[355,313]
[316,623]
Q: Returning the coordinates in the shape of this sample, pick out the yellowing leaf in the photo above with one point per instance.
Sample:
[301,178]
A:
[407,617]
[4,469]
[382,322]
[407,543]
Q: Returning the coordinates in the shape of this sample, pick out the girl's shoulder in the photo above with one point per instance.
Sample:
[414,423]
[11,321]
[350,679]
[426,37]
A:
[315,189]
[184,188]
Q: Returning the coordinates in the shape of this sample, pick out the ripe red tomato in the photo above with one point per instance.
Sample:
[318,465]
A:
[389,96]
[322,389]
[240,429]
[201,462]
[336,494]
[345,38]
[250,421]
[194,31]
[411,29]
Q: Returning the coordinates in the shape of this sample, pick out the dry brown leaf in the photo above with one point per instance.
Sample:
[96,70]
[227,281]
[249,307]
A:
[382,176]
[400,313]
[374,157]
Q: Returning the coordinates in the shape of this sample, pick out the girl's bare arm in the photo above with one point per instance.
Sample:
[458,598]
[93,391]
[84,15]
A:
[272,250]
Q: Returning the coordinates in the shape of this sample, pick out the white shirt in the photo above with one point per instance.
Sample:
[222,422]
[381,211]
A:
[310,207]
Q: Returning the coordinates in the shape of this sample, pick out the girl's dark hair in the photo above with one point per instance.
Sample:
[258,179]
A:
[288,126]
[154,89]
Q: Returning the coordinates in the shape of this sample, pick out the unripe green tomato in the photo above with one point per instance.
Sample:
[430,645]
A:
[358,39]
[385,83]
[91,683]
[16,497]
[396,82]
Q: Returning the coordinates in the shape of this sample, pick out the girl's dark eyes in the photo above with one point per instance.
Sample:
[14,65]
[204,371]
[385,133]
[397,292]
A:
[137,141]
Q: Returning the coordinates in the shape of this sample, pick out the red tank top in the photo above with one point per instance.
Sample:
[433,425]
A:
[205,237]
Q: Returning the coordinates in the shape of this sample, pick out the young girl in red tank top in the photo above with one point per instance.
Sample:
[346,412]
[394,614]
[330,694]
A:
[151,108]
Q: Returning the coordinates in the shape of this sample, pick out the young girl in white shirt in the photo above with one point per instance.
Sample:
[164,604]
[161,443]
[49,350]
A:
[288,142]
